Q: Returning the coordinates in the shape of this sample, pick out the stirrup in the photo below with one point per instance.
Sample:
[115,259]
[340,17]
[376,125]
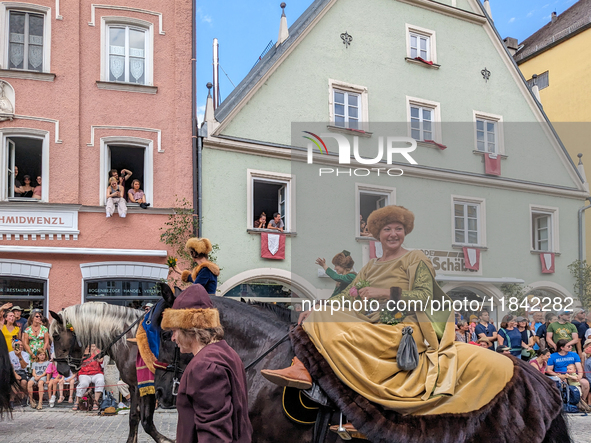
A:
[347,431]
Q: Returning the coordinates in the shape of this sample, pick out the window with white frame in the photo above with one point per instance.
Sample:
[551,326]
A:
[26,40]
[467,222]
[424,117]
[132,154]
[26,170]
[127,52]
[269,194]
[368,199]
[347,109]
[348,105]
[420,43]
[544,234]
[489,133]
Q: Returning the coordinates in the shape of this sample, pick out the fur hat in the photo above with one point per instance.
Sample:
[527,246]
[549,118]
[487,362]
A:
[191,309]
[390,214]
[199,245]
[344,260]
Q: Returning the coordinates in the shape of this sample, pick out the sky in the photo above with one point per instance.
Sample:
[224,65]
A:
[245,28]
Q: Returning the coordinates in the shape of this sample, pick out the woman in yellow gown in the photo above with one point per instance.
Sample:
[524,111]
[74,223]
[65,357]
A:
[361,347]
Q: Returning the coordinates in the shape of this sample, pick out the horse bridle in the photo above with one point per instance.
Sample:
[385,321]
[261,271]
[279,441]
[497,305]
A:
[73,362]
[174,368]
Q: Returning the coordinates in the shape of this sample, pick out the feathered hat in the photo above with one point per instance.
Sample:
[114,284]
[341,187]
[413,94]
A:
[390,214]
[199,245]
[344,260]
[191,309]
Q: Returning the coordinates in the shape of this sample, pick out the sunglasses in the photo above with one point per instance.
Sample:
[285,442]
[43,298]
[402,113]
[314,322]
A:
[38,316]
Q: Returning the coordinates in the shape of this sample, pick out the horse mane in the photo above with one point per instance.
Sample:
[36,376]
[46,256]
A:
[98,323]
[281,312]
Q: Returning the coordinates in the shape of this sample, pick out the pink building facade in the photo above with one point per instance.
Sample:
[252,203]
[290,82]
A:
[86,88]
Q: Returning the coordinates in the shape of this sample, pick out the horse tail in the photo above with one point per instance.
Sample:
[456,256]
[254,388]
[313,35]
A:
[8,380]
[558,431]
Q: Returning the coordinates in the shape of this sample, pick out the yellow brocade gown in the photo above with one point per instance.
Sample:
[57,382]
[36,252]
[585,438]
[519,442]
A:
[451,377]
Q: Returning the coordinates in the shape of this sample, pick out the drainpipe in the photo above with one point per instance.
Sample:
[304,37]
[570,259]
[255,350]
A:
[195,142]
[581,170]
[581,246]
[199,185]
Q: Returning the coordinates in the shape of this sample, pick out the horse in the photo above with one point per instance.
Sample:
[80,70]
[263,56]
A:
[79,326]
[8,381]
[249,330]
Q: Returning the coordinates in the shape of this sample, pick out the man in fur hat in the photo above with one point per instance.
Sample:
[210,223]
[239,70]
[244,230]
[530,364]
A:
[205,273]
[342,272]
[212,400]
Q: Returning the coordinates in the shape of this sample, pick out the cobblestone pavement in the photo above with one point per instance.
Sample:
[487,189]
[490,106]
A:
[57,425]
[67,426]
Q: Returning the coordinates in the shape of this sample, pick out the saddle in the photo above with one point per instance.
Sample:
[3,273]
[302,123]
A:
[522,411]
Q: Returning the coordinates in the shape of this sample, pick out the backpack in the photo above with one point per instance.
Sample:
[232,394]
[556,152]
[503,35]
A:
[570,396]
[108,401]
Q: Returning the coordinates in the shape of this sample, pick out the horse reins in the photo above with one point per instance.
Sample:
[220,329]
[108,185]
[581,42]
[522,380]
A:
[116,339]
[267,352]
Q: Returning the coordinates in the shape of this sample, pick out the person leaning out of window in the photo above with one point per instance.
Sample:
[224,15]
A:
[261,222]
[115,196]
[276,223]
[136,195]
[37,190]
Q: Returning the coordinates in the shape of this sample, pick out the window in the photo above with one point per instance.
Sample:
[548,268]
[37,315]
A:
[270,193]
[346,109]
[133,154]
[368,199]
[420,43]
[424,117]
[468,221]
[127,51]
[543,81]
[26,43]
[544,232]
[348,105]
[419,46]
[489,133]
[130,293]
[25,160]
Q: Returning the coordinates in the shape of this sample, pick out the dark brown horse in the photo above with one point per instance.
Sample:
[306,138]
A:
[79,326]
[8,380]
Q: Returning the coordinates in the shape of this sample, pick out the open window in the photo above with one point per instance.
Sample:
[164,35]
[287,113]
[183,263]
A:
[133,154]
[24,163]
[270,193]
[368,199]
[270,197]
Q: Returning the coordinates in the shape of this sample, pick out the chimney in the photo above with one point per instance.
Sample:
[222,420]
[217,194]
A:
[283,31]
[535,88]
[511,45]
[581,169]
[554,17]
[487,8]
[216,74]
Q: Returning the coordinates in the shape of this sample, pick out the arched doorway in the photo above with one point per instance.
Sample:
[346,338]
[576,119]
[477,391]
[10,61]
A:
[475,297]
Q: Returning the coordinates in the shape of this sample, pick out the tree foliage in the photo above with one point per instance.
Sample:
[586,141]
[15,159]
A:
[581,271]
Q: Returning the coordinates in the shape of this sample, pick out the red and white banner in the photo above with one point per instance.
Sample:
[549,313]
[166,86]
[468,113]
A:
[547,259]
[272,246]
[375,249]
[472,258]
[492,164]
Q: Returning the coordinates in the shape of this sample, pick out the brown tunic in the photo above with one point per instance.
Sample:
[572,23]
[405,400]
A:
[212,401]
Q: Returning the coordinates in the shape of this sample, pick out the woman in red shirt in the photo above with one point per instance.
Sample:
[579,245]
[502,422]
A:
[90,372]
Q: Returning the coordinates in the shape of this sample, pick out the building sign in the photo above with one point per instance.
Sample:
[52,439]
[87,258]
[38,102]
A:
[38,222]
[28,294]
[450,263]
[121,288]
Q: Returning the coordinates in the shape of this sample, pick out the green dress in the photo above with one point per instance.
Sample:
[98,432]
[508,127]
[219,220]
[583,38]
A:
[342,280]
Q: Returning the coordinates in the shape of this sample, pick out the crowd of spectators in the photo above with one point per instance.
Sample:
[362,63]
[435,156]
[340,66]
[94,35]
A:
[555,344]
[32,358]
[117,197]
